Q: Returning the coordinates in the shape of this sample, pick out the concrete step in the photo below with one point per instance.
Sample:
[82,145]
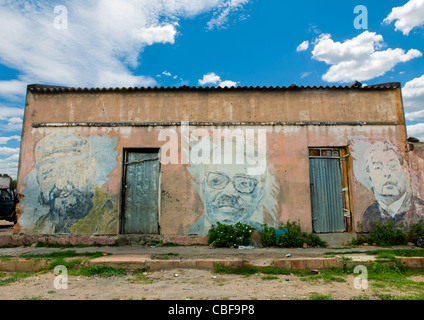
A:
[337,239]
[144,262]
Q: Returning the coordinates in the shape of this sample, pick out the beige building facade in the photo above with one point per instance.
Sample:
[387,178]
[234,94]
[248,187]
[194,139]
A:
[174,161]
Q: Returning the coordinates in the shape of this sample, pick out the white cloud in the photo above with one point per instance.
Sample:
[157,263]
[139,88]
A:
[209,78]
[166,73]
[415,115]
[10,112]
[416,131]
[360,58]
[101,44]
[414,89]
[12,88]
[413,98]
[303,46]
[5,140]
[11,118]
[9,158]
[9,165]
[213,79]
[407,17]
[227,83]
[5,151]
[156,34]
[305,74]
[225,8]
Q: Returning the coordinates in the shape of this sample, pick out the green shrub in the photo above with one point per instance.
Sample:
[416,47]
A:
[313,240]
[230,236]
[297,238]
[294,238]
[416,231]
[268,236]
[386,234]
[246,270]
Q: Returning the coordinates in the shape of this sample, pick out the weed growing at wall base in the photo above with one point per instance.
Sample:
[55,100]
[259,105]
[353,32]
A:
[386,234]
[293,238]
[289,235]
[230,236]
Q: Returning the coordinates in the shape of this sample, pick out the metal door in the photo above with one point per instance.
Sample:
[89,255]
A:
[326,195]
[141,193]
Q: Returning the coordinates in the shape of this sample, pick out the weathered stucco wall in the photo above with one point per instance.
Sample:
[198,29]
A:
[73,146]
[338,105]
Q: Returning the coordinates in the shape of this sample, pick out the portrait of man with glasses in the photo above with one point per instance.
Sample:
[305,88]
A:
[230,195]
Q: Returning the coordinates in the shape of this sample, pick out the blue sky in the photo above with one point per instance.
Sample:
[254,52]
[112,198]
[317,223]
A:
[119,43]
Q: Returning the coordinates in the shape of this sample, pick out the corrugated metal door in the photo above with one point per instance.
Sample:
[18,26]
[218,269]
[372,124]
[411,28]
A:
[141,193]
[326,195]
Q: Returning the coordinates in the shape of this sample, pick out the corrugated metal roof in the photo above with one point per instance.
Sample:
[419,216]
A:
[39,88]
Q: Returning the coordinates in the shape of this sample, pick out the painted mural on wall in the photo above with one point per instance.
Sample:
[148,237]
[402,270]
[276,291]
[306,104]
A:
[416,167]
[381,168]
[230,190]
[63,193]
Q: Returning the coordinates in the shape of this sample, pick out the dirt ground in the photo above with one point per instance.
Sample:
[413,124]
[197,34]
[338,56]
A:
[188,284]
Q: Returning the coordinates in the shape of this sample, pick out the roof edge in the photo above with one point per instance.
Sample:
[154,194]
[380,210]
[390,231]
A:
[42,88]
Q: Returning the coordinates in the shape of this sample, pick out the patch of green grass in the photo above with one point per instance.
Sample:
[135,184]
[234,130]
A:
[316,296]
[76,267]
[170,244]
[335,274]
[72,265]
[33,298]
[361,297]
[269,277]
[5,258]
[384,252]
[101,271]
[328,275]
[396,275]
[8,279]
[391,297]
[140,277]
[418,296]
[332,253]
[40,244]
[379,285]
[404,252]
[247,271]
[347,259]
[66,254]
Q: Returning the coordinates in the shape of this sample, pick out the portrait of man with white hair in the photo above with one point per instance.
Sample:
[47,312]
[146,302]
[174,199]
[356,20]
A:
[65,178]
[390,182]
